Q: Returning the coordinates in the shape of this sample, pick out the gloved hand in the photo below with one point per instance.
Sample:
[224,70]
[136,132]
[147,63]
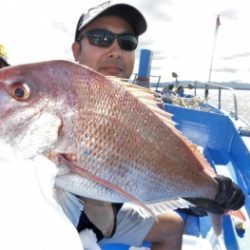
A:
[229,197]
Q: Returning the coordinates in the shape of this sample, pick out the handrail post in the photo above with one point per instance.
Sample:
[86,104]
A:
[220,87]
[219,98]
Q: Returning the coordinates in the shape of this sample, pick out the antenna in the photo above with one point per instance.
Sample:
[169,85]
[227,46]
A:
[218,23]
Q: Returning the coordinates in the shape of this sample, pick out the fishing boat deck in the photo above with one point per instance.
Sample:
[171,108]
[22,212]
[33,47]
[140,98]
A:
[229,154]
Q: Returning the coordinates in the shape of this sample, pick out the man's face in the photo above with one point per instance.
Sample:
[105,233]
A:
[111,61]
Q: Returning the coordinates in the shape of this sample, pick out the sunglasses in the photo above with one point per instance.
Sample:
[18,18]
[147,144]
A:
[104,39]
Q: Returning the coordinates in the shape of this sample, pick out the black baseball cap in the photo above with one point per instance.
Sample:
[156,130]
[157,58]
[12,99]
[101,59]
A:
[126,11]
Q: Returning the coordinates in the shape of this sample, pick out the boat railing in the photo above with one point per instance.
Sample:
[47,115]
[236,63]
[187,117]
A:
[220,87]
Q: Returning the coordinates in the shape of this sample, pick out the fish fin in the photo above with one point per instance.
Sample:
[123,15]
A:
[163,206]
[241,214]
[216,220]
[150,99]
[70,205]
[147,97]
[136,90]
[239,218]
[199,155]
[218,235]
[85,173]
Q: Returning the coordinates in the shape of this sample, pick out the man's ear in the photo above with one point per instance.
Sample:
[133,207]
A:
[76,50]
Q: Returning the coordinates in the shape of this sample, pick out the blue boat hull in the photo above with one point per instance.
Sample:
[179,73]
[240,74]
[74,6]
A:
[229,154]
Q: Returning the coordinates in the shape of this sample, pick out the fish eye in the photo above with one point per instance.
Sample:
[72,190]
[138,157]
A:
[20,91]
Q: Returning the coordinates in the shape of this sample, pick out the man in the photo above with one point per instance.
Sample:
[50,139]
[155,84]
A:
[105,40]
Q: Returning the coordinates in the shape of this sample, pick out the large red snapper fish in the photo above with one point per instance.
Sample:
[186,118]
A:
[108,137]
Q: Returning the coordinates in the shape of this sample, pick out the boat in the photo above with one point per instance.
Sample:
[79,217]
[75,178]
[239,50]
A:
[225,141]
[224,138]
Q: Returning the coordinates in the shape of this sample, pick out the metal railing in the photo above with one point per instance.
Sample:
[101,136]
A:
[213,85]
[220,87]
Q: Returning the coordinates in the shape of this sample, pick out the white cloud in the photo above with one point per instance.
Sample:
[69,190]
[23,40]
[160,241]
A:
[180,34]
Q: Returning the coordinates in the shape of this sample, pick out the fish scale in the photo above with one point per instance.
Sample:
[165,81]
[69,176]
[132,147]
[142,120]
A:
[120,140]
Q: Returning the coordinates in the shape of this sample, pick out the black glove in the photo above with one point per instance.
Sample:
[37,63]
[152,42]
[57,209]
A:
[229,197]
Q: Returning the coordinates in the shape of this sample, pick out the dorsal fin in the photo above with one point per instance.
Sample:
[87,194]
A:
[147,97]
[150,98]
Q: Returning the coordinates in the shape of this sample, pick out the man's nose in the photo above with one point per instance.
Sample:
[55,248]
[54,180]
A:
[115,50]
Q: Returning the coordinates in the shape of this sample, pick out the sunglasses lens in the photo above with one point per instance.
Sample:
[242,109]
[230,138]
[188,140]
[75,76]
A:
[128,42]
[105,38]
[101,38]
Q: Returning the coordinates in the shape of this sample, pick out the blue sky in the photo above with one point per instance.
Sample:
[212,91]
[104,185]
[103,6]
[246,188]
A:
[180,34]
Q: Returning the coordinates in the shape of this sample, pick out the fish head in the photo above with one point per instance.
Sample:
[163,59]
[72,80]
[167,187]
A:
[32,97]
